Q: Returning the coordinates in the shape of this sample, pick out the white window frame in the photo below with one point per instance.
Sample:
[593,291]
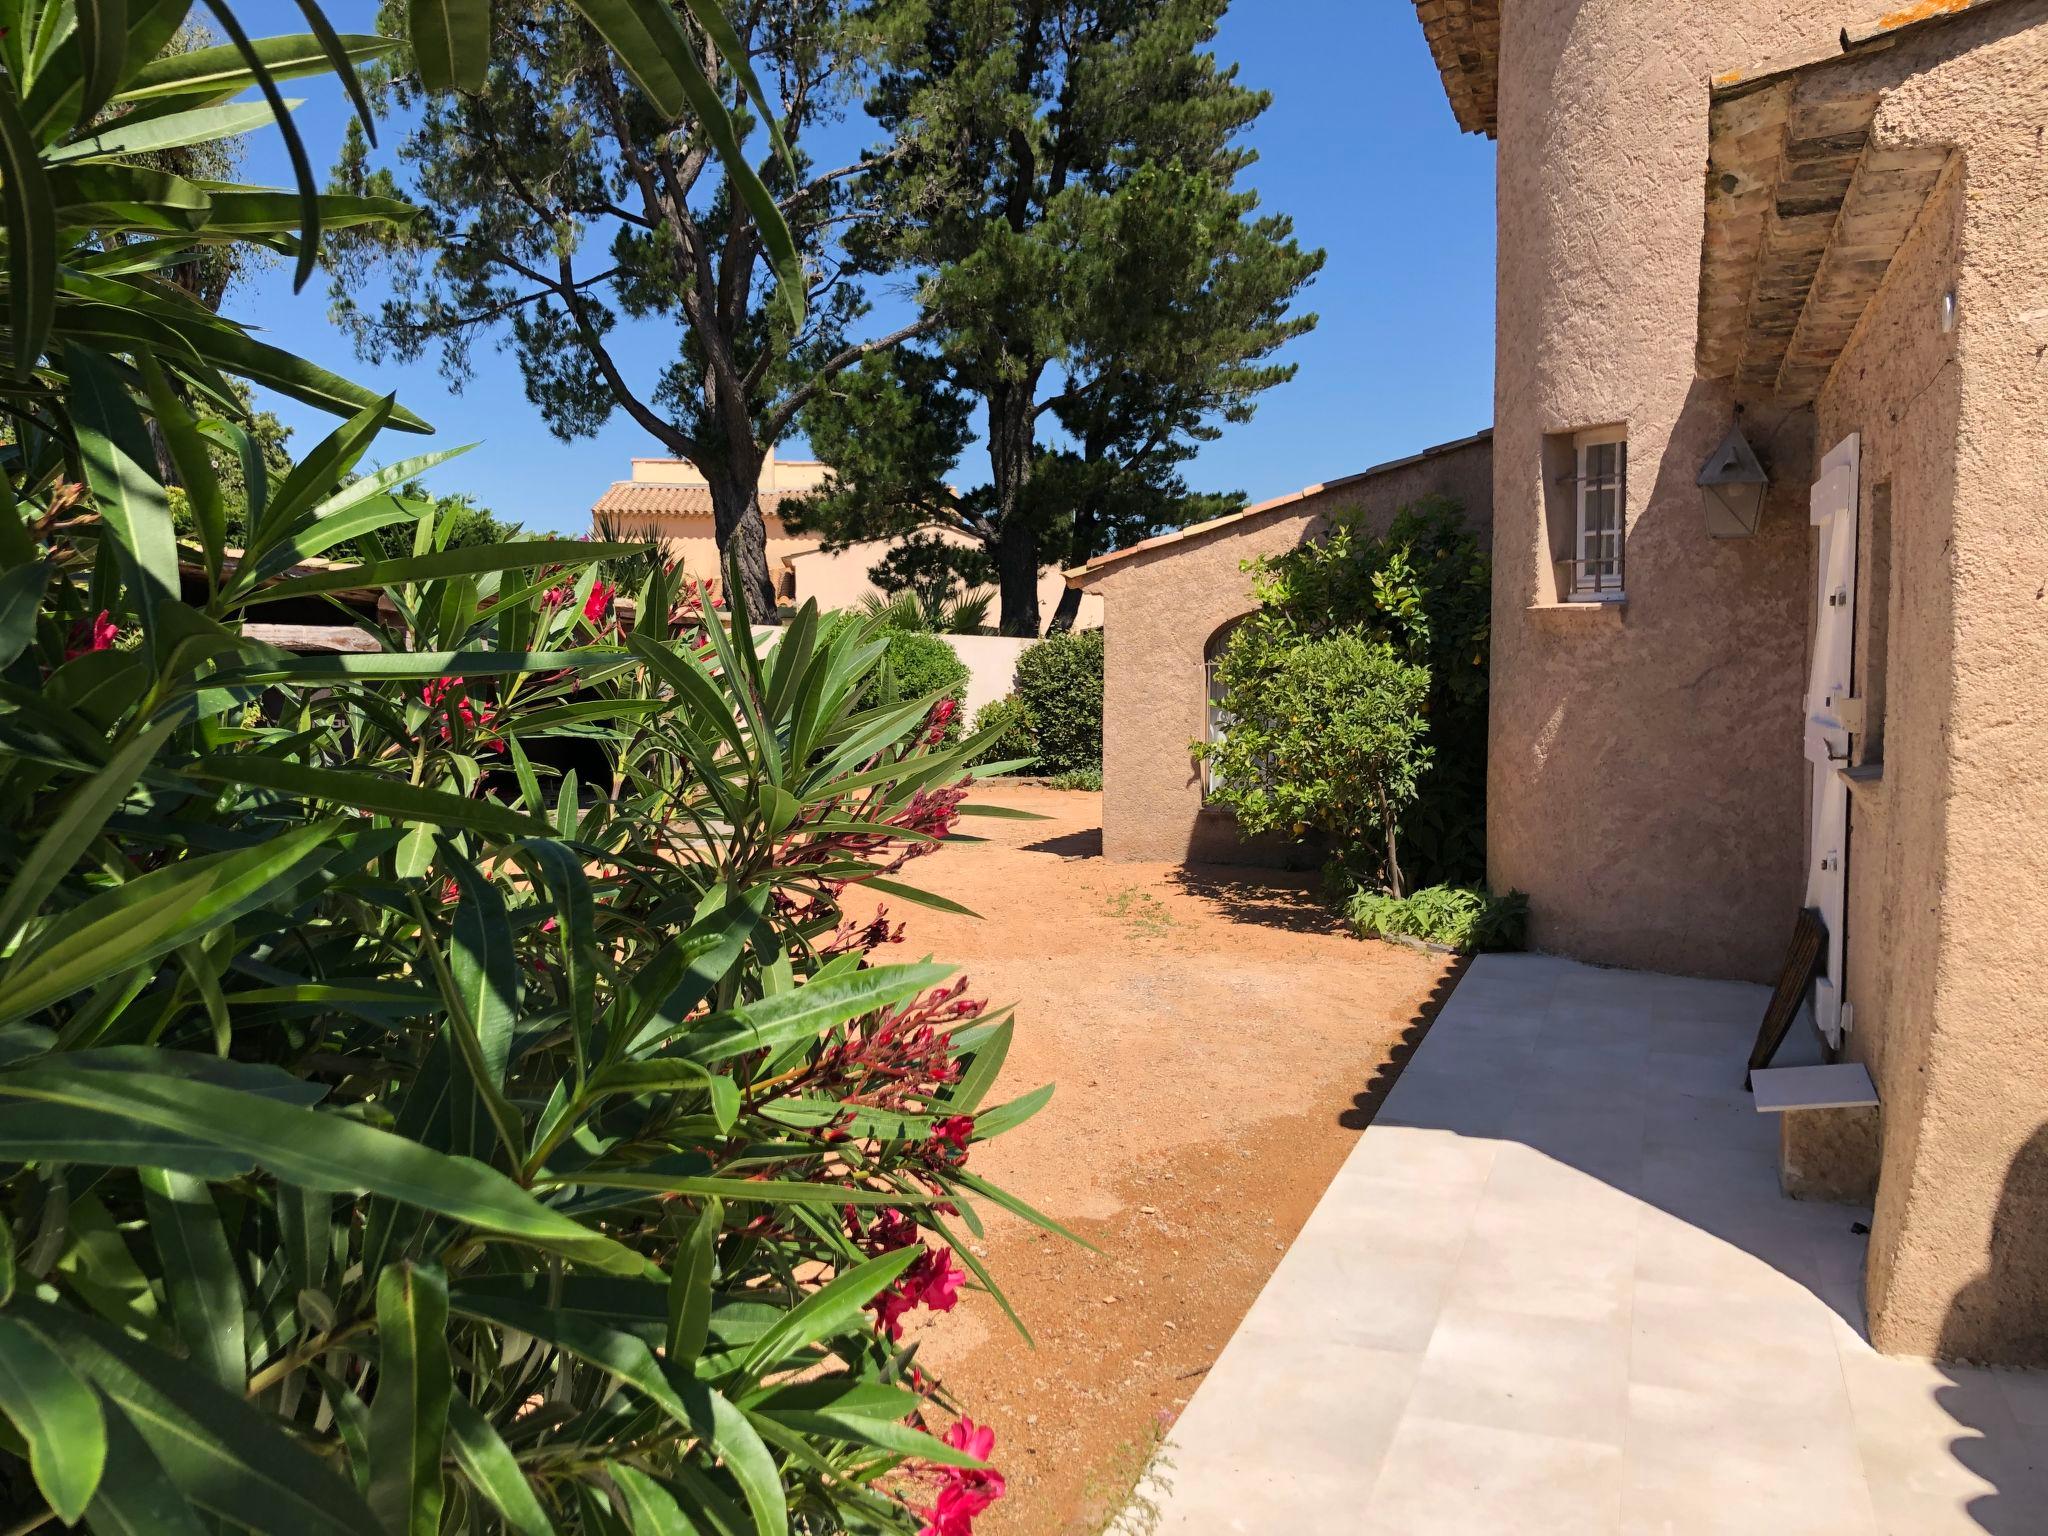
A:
[1607,588]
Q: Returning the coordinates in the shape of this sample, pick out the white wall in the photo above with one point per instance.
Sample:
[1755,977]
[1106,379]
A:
[991,662]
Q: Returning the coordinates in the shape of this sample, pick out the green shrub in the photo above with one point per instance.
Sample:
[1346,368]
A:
[1465,918]
[1076,778]
[1425,589]
[915,667]
[399,1130]
[1011,724]
[1059,681]
[1326,736]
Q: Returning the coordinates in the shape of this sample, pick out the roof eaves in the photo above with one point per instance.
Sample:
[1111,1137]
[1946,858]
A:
[1078,575]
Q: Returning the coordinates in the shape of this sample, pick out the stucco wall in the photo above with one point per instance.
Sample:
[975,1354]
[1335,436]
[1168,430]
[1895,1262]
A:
[1645,781]
[1948,860]
[1161,606]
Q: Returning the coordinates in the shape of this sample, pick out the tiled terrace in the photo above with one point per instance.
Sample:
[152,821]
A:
[1555,1290]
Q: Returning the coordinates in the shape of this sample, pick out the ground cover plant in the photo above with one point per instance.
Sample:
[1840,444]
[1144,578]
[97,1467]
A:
[1468,919]
[399,1130]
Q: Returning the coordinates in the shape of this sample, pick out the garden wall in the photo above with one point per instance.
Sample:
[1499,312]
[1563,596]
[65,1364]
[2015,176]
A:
[1165,600]
[991,660]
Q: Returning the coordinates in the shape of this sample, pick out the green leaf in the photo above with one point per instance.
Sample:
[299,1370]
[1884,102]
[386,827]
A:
[103,43]
[774,1022]
[224,1454]
[74,827]
[222,72]
[31,238]
[827,1312]
[56,1413]
[651,1510]
[199,1271]
[21,598]
[451,43]
[382,793]
[912,893]
[136,1497]
[655,50]
[494,1471]
[115,447]
[150,916]
[295,148]
[175,131]
[409,1415]
[980,1074]
[195,464]
[1005,1117]
[319,1151]
[689,1287]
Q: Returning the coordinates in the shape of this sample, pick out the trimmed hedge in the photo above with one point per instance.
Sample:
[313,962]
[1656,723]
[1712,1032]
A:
[1008,715]
[918,665]
[1059,683]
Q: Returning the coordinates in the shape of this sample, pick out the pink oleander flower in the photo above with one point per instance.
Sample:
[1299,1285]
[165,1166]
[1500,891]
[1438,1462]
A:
[599,603]
[953,1132]
[964,1492]
[933,1280]
[941,717]
[557,596]
[92,635]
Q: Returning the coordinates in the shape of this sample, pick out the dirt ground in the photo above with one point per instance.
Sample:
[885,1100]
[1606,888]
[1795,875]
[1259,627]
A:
[1218,1043]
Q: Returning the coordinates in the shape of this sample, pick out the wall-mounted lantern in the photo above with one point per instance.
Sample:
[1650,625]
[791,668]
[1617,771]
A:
[1732,487]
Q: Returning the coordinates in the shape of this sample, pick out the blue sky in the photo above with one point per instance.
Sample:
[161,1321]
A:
[1358,146]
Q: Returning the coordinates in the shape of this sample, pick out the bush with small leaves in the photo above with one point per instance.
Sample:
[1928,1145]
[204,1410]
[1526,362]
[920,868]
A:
[1059,682]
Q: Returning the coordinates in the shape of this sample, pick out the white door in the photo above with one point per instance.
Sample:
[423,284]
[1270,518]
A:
[1827,737]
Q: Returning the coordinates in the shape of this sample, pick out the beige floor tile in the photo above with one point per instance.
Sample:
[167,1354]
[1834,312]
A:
[1775,1351]
[1562,1377]
[1703,1464]
[1445,1479]
[1372,1300]
[1512,1262]
[1301,1406]
[1742,1259]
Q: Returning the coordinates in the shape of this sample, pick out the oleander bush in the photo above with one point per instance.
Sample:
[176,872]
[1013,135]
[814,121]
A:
[399,1133]
[1059,683]
[1469,919]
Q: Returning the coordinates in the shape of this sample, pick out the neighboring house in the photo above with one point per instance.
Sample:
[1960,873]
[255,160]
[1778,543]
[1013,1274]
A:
[668,500]
[1835,236]
[1169,606]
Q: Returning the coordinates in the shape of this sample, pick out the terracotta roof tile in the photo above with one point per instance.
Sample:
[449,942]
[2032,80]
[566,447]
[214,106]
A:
[637,498]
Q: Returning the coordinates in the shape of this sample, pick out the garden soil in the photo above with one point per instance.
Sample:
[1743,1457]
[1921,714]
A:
[1218,1042]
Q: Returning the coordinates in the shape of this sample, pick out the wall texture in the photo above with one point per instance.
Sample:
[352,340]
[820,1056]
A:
[1645,782]
[1948,855]
[1161,604]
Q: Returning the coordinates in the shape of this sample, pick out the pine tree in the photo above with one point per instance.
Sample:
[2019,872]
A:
[559,200]
[1063,183]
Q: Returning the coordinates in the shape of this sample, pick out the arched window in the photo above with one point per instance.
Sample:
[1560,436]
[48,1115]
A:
[1219,721]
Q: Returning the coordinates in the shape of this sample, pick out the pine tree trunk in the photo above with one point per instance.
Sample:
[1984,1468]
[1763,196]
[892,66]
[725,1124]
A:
[1079,552]
[1011,449]
[743,538]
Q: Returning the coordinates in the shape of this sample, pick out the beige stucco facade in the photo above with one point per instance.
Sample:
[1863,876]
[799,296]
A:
[669,500]
[1870,257]
[1163,603]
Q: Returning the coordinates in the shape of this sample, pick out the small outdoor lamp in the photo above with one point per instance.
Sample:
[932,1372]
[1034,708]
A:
[1733,483]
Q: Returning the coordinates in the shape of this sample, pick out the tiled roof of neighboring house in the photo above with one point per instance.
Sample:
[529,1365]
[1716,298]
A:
[1805,211]
[642,499]
[1464,36]
[1079,576]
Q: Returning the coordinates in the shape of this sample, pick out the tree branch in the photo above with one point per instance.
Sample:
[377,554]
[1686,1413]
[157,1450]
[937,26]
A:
[779,419]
